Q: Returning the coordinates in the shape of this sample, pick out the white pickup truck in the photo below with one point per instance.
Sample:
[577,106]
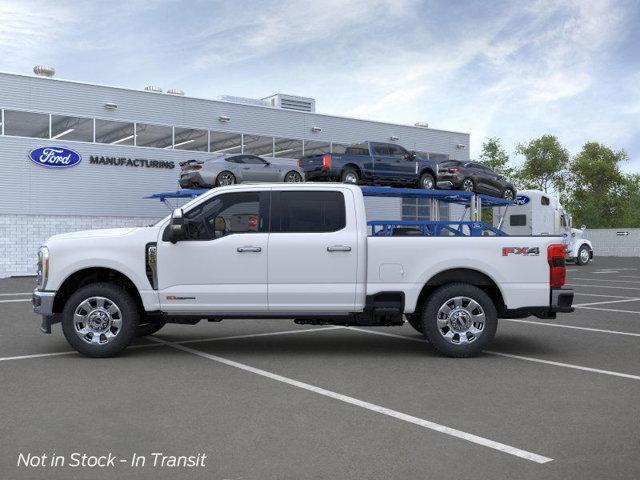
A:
[297,251]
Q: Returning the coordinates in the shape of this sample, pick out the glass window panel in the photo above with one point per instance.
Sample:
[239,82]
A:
[258,145]
[26,124]
[338,147]
[157,136]
[190,139]
[115,133]
[316,148]
[312,212]
[288,148]
[72,128]
[224,142]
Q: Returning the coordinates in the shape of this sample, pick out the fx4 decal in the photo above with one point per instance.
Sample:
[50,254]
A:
[526,251]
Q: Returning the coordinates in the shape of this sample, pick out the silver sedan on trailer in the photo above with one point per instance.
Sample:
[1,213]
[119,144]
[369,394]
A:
[230,169]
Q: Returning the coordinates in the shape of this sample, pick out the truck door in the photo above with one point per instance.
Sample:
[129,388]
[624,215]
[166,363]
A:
[221,265]
[313,251]
[382,163]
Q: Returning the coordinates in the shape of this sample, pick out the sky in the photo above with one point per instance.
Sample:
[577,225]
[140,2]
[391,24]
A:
[514,70]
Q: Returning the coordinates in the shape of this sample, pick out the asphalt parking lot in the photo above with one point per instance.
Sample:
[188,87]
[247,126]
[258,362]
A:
[273,400]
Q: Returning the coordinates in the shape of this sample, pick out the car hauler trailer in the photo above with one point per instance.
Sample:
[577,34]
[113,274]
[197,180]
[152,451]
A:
[535,212]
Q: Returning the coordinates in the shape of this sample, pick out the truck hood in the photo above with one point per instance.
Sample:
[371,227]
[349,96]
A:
[106,232]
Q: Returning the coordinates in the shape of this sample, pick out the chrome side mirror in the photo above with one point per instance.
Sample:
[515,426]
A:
[176,226]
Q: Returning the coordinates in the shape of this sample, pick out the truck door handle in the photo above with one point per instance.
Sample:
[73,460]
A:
[339,248]
[249,249]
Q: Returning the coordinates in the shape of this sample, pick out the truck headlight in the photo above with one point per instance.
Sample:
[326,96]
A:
[43,267]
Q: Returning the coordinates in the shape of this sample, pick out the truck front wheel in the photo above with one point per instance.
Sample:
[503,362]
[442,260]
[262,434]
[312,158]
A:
[459,320]
[100,320]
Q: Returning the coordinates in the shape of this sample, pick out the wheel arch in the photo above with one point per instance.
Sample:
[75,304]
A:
[429,170]
[462,275]
[90,275]
[354,166]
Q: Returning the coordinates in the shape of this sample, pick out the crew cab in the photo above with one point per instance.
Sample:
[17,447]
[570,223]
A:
[298,251]
[372,163]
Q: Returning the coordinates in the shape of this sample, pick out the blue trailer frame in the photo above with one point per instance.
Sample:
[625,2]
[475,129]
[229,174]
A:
[380,228]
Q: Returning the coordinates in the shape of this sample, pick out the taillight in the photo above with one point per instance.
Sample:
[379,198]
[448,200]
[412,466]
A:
[196,167]
[557,267]
[326,161]
[298,162]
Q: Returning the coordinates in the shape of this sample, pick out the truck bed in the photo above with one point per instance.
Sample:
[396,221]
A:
[517,265]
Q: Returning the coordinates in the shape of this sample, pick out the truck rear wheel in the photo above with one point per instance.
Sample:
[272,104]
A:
[100,320]
[350,175]
[459,320]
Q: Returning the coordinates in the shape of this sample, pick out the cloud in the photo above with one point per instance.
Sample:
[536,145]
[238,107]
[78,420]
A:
[29,30]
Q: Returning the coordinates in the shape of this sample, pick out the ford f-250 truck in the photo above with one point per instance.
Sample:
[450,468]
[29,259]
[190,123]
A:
[372,163]
[297,251]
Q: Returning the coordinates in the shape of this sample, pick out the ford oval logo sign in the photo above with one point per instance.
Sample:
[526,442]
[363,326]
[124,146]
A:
[521,200]
[56,157]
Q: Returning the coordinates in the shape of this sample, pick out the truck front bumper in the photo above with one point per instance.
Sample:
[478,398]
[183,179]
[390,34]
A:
[42,302]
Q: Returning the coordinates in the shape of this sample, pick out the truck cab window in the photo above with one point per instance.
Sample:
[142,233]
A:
[381,149]
[311,212]
[227,214]
[544,200]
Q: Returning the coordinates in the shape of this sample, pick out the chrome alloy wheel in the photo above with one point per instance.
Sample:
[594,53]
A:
[584,255]
[427,182]
[293,177]
[97,320]
[467,185]
[508,194]
[351,177]
[461,320]
[226,178]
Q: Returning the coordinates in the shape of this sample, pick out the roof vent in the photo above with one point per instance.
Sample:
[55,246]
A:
[292,102]
[175,91]
[153,88]
[422,124]
[44,71]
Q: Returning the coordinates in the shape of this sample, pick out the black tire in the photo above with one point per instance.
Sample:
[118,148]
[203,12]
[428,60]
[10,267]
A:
[430,320]
[288,177]
[468,185]
[222,175]
[427,178]
[579,260]
[130,316]
[415,320]
[350,172]
[509,193]
[149,328]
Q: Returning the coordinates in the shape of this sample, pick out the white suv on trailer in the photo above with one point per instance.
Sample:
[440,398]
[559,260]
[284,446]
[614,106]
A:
[298,251]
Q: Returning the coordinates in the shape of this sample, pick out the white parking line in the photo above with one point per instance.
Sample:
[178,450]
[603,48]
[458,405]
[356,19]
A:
[509,355]
[14,294]
[610,310]
[600,295]
[197,340]
[603,286]
[605,280]
[632,299]
[573,327]
[16,300]
[485,442]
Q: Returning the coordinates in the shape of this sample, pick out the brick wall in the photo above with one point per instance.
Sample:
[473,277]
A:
[22,235]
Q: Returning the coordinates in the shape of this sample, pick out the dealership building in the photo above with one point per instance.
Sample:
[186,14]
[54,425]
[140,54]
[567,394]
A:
[129,144]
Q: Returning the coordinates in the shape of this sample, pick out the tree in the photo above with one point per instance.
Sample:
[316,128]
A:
[545,164]
[495,157]
[600,192]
